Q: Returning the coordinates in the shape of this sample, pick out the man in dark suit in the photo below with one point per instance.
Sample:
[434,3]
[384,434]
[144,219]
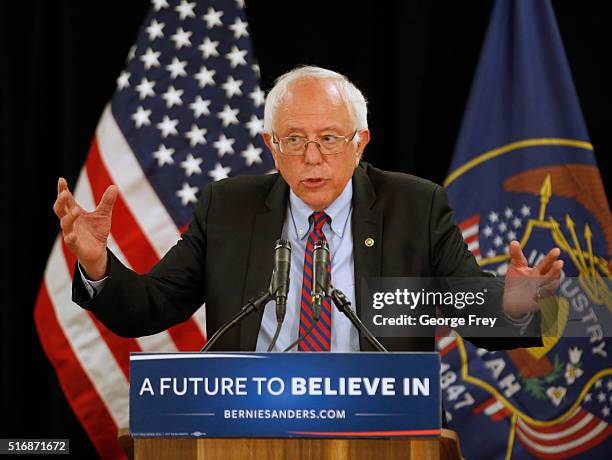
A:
[377,223]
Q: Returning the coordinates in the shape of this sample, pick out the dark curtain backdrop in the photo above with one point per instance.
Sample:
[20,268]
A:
[414,60]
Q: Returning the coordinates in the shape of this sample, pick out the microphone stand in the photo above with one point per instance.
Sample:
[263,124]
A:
[301,337]
[279,324]
[281,310]
[254,304]
[344,305]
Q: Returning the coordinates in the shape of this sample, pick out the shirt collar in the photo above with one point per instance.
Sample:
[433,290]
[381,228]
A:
[339,212]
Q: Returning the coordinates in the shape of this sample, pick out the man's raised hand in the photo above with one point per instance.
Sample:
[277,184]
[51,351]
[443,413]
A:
[86,233]
[526,286]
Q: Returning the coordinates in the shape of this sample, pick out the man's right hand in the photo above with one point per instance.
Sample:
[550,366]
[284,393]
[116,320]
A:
[86,233]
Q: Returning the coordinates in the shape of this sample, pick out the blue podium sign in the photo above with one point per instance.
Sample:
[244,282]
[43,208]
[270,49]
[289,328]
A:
[285,394]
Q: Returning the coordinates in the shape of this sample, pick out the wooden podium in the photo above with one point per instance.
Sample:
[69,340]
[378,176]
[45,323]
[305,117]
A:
[321,403]
[446,447]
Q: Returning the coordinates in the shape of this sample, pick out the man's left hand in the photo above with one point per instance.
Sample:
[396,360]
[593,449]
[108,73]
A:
[526,285]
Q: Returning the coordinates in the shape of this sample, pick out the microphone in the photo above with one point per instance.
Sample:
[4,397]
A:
[320,276]
[279,284]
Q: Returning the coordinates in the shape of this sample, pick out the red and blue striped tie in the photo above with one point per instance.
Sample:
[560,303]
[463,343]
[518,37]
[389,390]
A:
[319,338]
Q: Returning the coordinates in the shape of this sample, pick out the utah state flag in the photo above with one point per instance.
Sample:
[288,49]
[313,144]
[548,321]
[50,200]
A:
[524,169]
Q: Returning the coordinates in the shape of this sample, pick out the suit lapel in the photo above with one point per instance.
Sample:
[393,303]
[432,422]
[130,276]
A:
[267,228]
[367,228]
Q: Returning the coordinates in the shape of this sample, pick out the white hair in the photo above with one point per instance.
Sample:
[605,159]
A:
[352,97]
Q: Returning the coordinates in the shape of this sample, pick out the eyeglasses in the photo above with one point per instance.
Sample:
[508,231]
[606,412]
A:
[328,144]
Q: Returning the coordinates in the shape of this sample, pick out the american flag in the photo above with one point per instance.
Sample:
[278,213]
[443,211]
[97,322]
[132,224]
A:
[469,231]
[491,237]
[584,428]
[187,110]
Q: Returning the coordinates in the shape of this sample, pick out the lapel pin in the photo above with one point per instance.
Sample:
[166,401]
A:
[369,242]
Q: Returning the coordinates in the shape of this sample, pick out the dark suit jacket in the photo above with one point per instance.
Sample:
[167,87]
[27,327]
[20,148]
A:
[225,257]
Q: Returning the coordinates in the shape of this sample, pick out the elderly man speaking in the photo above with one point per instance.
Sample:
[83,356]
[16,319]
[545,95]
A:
[376,223]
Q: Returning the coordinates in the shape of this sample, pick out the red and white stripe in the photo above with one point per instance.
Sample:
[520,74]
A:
[446,340]
[493,408]
[578,433]
[91,362]
[469,231]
